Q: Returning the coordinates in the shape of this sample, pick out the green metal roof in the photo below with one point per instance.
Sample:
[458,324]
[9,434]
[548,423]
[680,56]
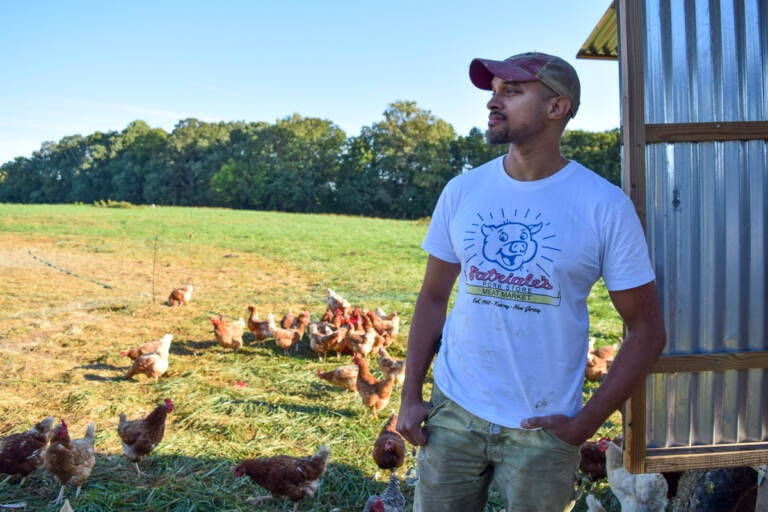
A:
[603,42]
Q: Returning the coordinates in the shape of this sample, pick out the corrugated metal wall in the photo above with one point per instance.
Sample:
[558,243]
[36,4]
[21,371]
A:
[707,215]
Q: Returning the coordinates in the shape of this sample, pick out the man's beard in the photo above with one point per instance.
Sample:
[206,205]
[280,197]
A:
[498,136]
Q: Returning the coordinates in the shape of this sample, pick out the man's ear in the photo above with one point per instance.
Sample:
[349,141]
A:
[560,107]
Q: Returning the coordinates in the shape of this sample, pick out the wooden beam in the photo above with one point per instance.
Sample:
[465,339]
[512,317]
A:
[678,462]
[630,26]
[630,16]
[706,132]
[711,362]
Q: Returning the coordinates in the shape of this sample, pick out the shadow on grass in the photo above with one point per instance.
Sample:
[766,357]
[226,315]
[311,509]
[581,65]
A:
[191,347]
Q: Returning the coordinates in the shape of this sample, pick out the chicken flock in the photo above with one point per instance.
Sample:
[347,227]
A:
[343,331]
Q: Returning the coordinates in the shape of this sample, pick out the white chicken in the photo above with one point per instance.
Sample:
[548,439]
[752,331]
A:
[637,492]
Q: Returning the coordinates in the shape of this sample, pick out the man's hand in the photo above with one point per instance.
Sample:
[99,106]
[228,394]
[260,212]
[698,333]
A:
[410,421]
[562,427]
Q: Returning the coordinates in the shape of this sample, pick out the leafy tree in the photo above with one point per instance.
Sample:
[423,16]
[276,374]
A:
[405,159]
[473,150]
[140,156]
[92,180]
[196,150]
[393,168]
[356,191]
[59,164]
[19,180]
[304,163]
[600,151]
[241,181]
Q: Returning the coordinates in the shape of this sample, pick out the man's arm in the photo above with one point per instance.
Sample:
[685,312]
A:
[426,327]
[643,343]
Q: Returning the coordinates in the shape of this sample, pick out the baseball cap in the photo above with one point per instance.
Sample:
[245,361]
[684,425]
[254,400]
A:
[550,70]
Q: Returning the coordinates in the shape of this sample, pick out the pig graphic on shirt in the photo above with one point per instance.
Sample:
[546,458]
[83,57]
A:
[511,244]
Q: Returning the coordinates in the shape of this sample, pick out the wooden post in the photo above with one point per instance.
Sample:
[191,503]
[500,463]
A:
[630,17]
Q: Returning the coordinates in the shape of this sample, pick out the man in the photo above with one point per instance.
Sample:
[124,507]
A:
[527,235]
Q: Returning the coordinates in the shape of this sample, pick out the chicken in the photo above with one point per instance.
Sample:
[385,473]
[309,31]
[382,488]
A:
[302,321]
[374,393]
[22,452]
[640,492]
[144,348]
[294,478]
[338,318]
[322,341]
[336,301]
[180,296]
[596,368]
[342,377]
[389,448]
[592,463]
[70,461]
[355,319]
[391,499]
[607,353]
[287,321]
[594,504]
[360,342]
[391,366]
[259,328]
[386,327]
[291,321]
[228,334]
[284,338]
[141,436]
[153,364]
[599,360]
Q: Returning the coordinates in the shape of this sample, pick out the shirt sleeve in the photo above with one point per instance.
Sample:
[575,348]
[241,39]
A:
[626,259]
[438,239]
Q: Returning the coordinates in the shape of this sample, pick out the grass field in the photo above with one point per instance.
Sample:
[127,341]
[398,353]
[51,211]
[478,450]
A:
[81,282]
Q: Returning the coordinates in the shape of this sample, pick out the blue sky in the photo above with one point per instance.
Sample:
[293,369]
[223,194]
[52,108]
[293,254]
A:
[82,66]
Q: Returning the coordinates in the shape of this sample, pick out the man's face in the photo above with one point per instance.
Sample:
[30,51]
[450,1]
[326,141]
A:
[518,110]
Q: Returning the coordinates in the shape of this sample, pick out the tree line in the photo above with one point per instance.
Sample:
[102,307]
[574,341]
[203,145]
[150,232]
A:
[394,168]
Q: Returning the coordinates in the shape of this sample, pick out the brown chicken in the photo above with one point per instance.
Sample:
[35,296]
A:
[391,366]
[153,364]
[342,377]
[322,339]
[228,334]
[592,463]
[144,348]
[180,296]
[389,326]
[141,436]
[302,321]
[284,338]
[360,342]
[355,319]
[287,321]
[374,393]
[389,448]
[294,478]
[259,328]
[70,460]
[22,452]
[599,360]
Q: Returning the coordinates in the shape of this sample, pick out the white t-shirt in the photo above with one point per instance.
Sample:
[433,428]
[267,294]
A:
[515,342]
